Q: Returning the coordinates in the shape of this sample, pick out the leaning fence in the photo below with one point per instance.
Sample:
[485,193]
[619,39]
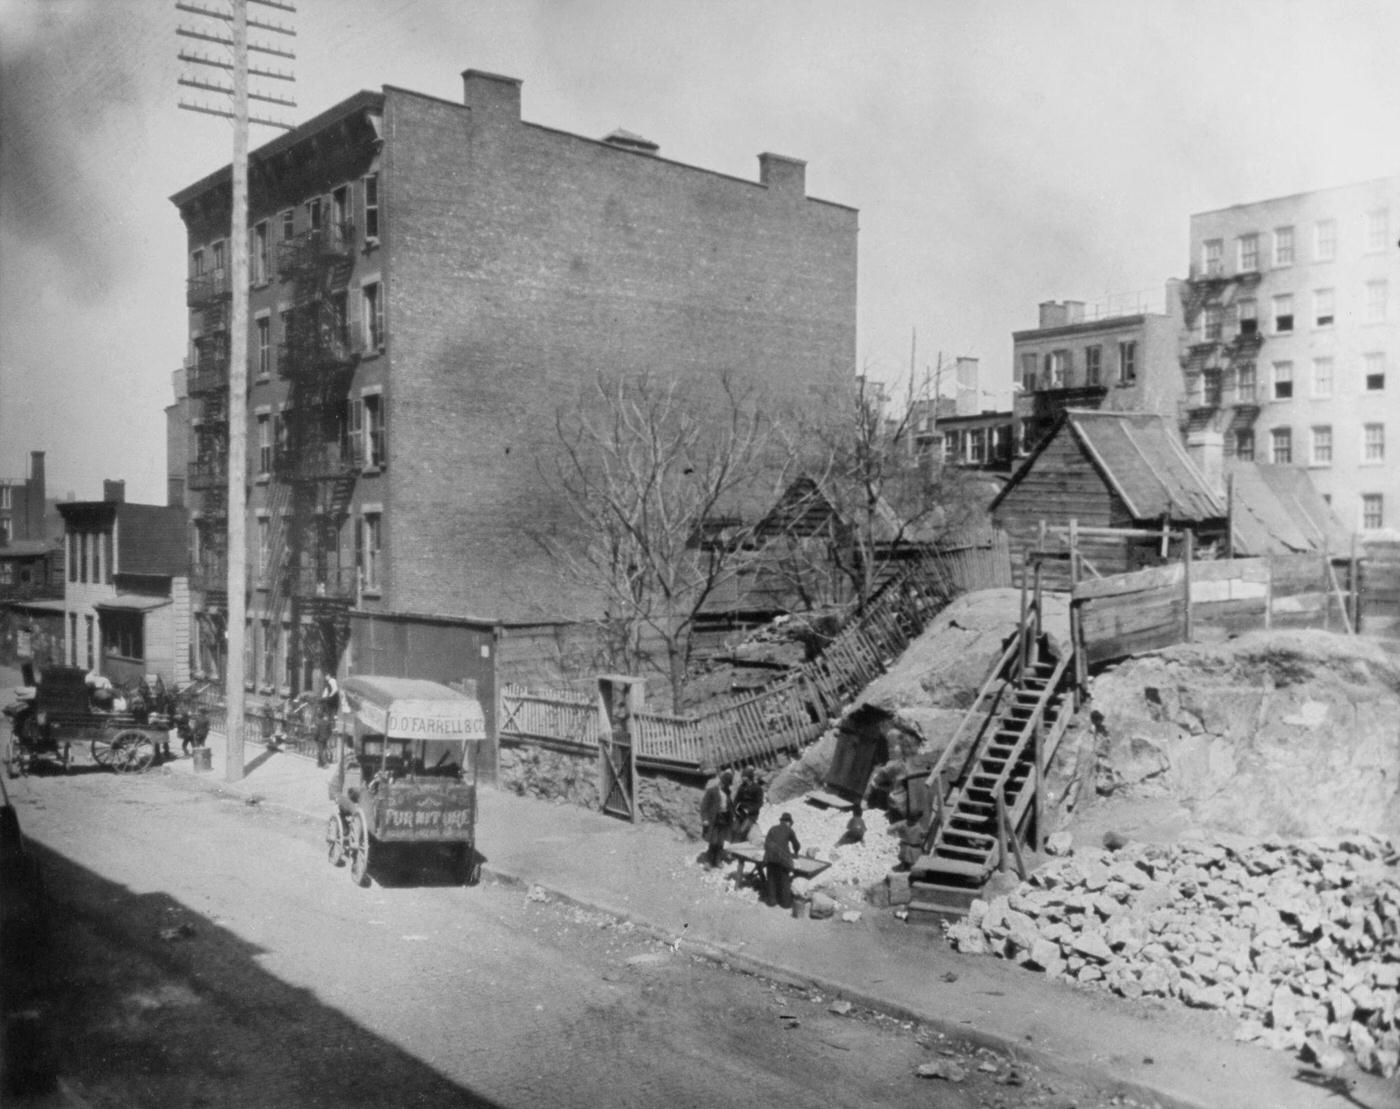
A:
[795,708]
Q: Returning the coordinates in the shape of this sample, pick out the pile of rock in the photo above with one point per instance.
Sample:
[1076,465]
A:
[1300,941]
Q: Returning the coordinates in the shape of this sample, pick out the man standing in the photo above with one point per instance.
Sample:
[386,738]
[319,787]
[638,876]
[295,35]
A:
[748,800]
[716,811]
[330,709]
[780,848]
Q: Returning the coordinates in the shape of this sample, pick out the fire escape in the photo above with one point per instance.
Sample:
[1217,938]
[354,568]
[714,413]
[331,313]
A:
[316,458]
[207,380]
[1219,359]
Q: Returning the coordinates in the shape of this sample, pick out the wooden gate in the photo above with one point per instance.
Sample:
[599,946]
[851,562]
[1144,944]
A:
[617,752]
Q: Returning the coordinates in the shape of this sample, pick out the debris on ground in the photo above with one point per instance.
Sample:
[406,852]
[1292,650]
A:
[1297,940]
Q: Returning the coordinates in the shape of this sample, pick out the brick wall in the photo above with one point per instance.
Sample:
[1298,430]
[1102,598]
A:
[519,262]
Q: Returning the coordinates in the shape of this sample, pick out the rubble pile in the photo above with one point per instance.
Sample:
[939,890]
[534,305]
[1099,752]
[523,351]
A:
[1299,941]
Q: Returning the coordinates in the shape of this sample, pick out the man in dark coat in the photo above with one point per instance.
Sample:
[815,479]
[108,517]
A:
[748,800]
[716,814]
[780,848]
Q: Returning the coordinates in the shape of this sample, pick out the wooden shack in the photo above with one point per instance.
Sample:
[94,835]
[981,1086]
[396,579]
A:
[1102,470]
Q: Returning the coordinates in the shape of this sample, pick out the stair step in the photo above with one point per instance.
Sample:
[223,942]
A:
[937,864]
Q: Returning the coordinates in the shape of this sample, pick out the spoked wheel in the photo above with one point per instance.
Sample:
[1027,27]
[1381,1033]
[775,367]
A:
[102,751]
[359,850]
[132,752]
[335,839]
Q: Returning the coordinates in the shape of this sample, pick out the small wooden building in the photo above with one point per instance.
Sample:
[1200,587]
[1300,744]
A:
[1125,470]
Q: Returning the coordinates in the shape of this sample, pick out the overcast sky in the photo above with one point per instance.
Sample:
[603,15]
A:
[1000,153]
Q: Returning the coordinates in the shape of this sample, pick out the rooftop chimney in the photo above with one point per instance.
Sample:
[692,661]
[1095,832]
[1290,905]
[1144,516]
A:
[491,96]
[783,175]
[1206,448]
[37,502]
[1055,314]
[114,492]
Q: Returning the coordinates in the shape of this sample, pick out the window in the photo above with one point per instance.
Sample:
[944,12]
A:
[1322,377]
[1373,443]
[91,642]
[264,342]
[1325,240]
[1244,444]
[1210,387]
[257,253]
[1249,317]
[73,639]
[1377,229]
[1127,362]
[1372,515]
[269,656]
[977,445]
[122,634]
[289,668]
[1375,373]
[288,224]
[1093,366]
[1059,369]
[1283,312]
[197,263]
[1211,323]
[374,318]
[1248,253]
[218,252]
[264,443]
[373,421]
[1283,246]
[313,213]
[1281,445]
[264,546]
[6,497]
[1246,384]
[108,559]
[372,207]
[1323,308]
[72,558]
[340,207]
[1283,380]
[1322,446]
[369,549]
[1377,293]
[1029,362]
[1212,257]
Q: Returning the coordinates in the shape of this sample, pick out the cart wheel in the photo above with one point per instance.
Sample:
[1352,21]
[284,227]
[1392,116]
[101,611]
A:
[359,850]
[335,839]
[132,751]
[102,751]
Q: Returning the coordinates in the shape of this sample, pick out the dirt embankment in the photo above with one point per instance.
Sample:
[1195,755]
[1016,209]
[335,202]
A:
[1293,734]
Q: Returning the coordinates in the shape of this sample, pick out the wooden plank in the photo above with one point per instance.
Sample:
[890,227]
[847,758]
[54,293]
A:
[1156,577]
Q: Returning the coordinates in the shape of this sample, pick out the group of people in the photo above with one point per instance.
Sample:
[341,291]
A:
[729,815]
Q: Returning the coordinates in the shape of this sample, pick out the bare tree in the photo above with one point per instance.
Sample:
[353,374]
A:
[659,483]
[869,497]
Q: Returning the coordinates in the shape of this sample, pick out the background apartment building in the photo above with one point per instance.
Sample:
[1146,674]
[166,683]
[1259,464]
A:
[431,282]
[1293,336]
[1121,358]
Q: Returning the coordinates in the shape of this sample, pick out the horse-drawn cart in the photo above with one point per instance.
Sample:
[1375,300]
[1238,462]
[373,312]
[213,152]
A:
[405,776]
[64,707]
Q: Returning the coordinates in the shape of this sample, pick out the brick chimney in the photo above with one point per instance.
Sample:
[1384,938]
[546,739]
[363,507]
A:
[783,175]
[38,499]
[114,492]
[1055,314]
[490,96]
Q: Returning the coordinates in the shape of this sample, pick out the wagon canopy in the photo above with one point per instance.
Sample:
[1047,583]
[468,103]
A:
[414,708]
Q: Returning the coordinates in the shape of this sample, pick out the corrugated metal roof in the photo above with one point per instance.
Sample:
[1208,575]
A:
[1143,459]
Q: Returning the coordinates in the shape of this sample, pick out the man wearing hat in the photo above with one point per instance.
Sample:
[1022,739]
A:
[716,816]
[780,847]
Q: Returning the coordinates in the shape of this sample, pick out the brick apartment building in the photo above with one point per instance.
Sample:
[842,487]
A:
[28,554]
[1293,336]
[1120,358]
[431,282]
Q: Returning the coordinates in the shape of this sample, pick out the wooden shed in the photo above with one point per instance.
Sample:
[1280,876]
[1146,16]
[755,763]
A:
[1125,470]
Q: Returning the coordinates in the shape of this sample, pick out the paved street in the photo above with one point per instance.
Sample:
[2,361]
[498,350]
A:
[206,954]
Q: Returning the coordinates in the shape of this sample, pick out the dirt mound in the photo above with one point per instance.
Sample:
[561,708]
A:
[1291,733]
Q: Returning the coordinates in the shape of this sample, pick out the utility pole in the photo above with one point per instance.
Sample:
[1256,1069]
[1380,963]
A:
[237,42]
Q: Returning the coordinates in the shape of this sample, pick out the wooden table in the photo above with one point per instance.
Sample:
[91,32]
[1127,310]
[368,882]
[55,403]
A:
[751,854]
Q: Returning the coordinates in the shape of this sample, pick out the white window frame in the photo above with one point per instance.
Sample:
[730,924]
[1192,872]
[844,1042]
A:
[1247,383]
[1373,365]
[1127,362]
[370,185]
[1282,376]
[262,337]
[371,552]
[1213,257]
[1372,511]
[1323,376]
[1377,230]
[1243,436]
[1283,246]
[1324,307]
[1212,323]
[1372,444]
[1248,253]
[289,224]
[1322,445]
[1281,443]
[1377,300]
[1247,316]
[257,253]
[372,308]
[1280,302]
[1325,240]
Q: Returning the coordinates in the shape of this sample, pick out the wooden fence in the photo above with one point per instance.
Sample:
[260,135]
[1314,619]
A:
[1379,589]
[797,707]
[1125,614]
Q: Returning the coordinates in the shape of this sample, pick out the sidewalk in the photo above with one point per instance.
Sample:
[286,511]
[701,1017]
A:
[649,874]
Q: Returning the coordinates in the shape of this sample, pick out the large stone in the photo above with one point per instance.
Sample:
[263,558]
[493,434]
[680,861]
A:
[1042,955]
[1091,946]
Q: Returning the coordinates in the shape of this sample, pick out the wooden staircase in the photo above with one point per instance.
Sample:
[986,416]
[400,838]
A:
[987,805]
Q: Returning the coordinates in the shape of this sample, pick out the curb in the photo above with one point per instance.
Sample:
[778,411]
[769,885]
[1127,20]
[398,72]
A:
[724,955]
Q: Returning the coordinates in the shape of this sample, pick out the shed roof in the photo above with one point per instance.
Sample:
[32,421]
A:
[1278,509]
[1141,458]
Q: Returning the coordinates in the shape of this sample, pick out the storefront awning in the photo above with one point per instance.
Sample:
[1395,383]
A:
[131,603]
